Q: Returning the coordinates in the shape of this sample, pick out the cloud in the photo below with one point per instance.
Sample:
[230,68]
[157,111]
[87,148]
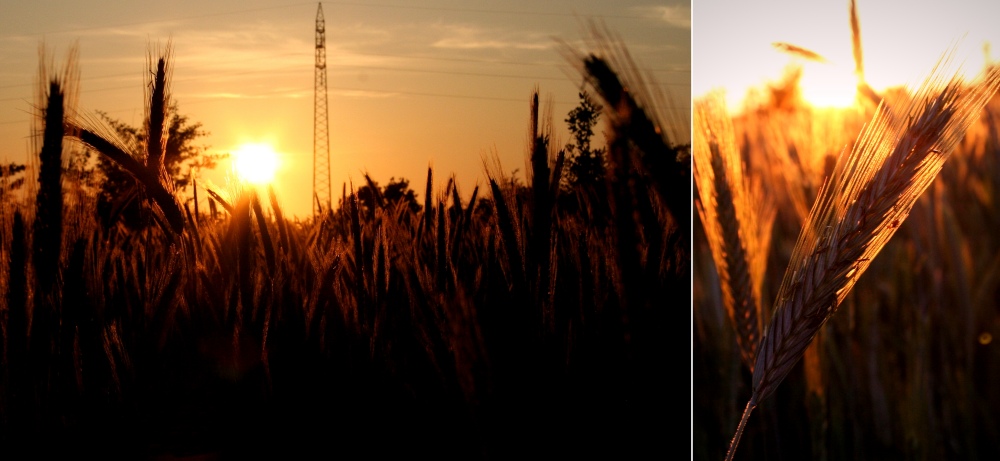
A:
[224,96]
[365,94]
[456,43]
[674,15]
[290,93]
[468,38]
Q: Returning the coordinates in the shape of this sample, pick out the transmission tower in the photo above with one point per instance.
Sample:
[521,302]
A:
[321,123]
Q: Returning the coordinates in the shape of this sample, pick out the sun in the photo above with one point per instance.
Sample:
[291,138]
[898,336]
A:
[829,87]
[255,163]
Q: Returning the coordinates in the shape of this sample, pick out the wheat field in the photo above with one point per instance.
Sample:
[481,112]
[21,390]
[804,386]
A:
[874,257]
[528,317]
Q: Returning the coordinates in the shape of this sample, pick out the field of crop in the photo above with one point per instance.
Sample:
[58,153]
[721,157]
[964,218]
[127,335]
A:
[904,360]
[531,317]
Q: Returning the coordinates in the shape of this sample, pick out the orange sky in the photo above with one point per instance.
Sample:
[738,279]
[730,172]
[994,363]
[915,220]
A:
[411,84]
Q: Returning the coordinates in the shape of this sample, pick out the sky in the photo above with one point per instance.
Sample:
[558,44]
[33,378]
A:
[902,40]
[439,83]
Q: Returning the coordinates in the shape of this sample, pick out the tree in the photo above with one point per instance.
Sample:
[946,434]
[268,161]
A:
[399,191]
[586,165]
[183,159]
[387,196]
[8,181]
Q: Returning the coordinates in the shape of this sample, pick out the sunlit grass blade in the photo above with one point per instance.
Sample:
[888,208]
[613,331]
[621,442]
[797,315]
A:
[218,198]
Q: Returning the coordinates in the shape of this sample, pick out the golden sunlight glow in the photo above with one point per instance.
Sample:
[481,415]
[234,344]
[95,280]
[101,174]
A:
[827,85]
[255,163]
[894,53]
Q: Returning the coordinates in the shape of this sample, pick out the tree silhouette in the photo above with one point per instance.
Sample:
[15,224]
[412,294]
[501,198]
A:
[388,196]
[586,165]
[8,181]
[399,191]
[119,194]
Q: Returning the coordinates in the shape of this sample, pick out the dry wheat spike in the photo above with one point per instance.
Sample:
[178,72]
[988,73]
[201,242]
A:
[737,221]
[857,210]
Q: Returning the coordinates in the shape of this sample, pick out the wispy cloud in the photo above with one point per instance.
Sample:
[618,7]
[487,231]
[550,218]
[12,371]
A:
[467,37]
[257,47]
[225,96]
[363,94]
[674,15]
[289,93]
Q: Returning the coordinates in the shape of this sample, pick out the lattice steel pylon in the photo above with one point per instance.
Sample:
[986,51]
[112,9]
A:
[321,122]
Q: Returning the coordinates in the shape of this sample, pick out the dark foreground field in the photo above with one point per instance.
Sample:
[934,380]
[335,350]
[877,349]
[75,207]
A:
[530,320]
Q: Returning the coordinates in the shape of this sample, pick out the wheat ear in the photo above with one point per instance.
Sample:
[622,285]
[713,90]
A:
[856,212]
[57,93]
[737,221]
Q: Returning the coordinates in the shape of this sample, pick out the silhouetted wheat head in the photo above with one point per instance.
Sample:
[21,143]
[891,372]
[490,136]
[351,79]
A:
[145,166]
[56,97]
[648,134]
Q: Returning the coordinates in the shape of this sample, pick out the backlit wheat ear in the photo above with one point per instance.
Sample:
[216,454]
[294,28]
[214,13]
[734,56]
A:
[151,175]
[57,93]
[856,212]
[736,219]
[157,100]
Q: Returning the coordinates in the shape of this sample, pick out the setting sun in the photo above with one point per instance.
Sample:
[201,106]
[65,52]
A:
[828,85]
[255,163]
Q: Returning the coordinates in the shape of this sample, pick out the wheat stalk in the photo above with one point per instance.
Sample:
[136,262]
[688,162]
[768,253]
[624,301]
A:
[859,68]
[278,217]
[636,116]
[736,219]
[157,100]
[856,212]
[56,98]
[151,175]
[265,235]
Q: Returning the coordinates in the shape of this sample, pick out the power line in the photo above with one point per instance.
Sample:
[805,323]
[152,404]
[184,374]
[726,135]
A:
[203,100]
[155,21]
[269,73]
[385,68]
[390,68]
[482,11]
[299,4]
[207,99]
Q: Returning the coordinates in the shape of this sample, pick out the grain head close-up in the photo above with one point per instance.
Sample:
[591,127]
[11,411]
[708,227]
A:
[844,263]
